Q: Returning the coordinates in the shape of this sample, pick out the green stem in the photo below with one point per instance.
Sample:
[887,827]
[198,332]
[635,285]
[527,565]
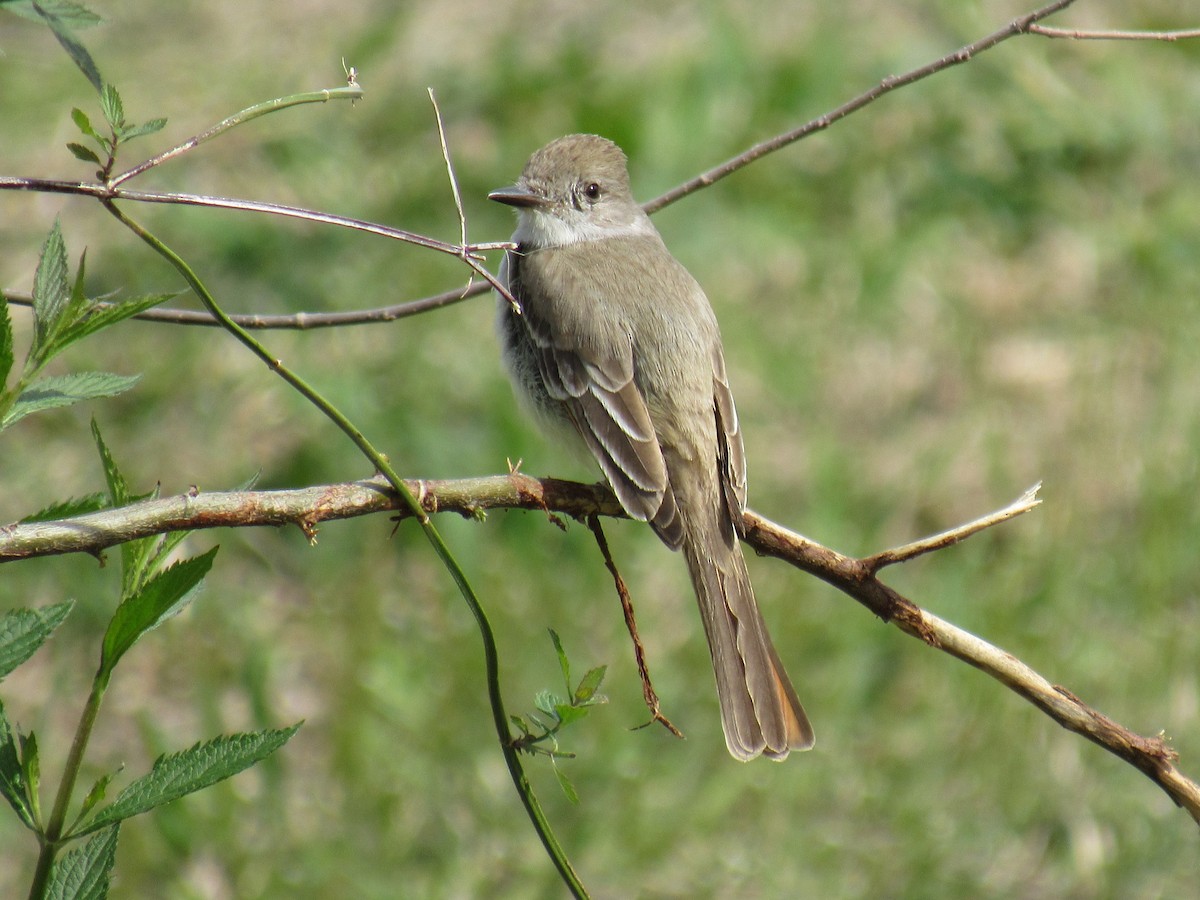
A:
[491,658]
[351,92]
[51,838]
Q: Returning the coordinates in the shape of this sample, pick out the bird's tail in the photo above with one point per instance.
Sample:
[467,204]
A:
[760,711]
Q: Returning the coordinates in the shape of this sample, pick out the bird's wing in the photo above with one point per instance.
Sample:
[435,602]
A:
[731,454]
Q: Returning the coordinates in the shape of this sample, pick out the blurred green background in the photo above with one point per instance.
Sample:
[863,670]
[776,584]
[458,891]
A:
[984,280]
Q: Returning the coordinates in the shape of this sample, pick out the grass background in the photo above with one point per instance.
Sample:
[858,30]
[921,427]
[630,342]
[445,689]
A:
[981,281]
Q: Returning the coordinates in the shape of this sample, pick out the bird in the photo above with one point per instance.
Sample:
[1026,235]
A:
[610,339]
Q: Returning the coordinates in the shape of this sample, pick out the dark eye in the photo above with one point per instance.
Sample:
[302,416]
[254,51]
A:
[592,191]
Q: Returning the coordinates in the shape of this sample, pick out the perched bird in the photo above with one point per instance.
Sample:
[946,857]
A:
[615,340]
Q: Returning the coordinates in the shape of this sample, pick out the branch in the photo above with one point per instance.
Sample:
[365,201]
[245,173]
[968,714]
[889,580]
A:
[1077,35]
[307,507]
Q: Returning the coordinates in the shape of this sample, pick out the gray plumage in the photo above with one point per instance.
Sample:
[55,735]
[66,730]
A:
[615,340]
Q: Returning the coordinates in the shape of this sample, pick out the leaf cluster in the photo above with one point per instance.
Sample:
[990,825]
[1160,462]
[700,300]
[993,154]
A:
[153,590]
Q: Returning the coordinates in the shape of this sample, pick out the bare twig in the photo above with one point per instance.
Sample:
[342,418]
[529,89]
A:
[1017,26]
[1083,35]
[1022,504]
[649,695]
[96,532]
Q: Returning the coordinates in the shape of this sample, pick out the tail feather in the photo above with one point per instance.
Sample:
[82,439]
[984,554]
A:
[760,711]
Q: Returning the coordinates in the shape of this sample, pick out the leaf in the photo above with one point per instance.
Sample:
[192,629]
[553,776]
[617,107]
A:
[566,714]
[97,316]
[85,872]
[118,489]
[589,684]
[562,657]
[65,390]
[6,342]
[177,774]
[31,770]
[69,13]
[95,796]
[86,154]
[65,509]
[50,290]
[159,599]
[565,784]
[22,631]
[12,779]
[130,132]
[61,25]
[546,702]
[82,122]
[112,107]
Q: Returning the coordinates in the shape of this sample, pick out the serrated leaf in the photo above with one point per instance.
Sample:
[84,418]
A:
[86,154]
[95,796]
[66,390]
[6,342]
[12,780]
[162,597]
[65,509]
[118,489]
[85,872]
[130,132]
[177,774]
[50,290]
[589,684]
[97,317]
[61,26]
[111,106]
[545,701]
[22,631]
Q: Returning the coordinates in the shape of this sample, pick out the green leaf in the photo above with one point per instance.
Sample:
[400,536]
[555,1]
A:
[12,779]
[22,631]
[50,291]
[96,795]
[546,702]
[129,132]
[65,509]
[112,107]
[71,14]
[86,154]
[589,684]
[65,390]
[565,784]
[31,770]
[85,872]
[6,342]
[567,714]
[101,316]
[61,25]
[177,774]
[82,122]
[562,658]
[118,489]
[162,597]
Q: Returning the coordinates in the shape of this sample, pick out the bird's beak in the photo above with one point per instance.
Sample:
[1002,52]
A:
[518,196]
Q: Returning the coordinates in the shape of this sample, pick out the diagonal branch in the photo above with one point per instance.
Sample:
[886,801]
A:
[307,507]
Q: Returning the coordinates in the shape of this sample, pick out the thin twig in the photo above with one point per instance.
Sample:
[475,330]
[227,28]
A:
[1022,504]
[1018,26]
[649,695]
[352,91]
[1084,35]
